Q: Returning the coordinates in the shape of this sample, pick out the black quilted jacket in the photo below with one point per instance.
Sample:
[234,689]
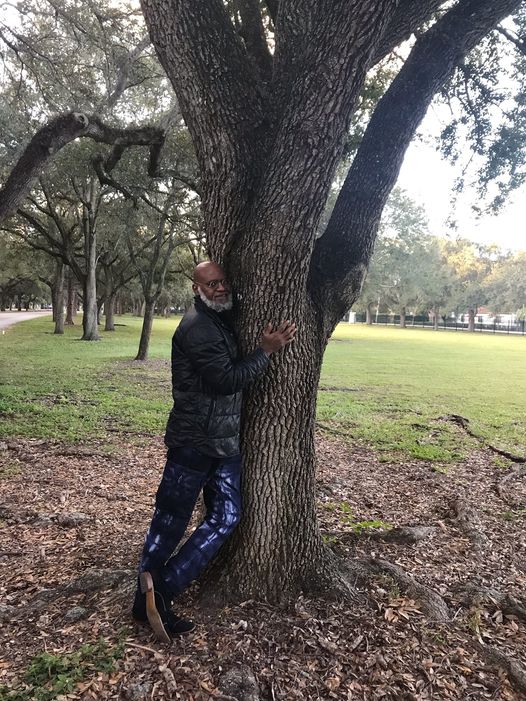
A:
[208,376]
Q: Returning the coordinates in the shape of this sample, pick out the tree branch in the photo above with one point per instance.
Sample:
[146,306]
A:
[121,82]
[408,17]
[518,41]
[53,137]
[342,254]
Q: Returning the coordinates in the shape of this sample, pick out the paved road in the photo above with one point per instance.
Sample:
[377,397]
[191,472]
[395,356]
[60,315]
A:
[10,318]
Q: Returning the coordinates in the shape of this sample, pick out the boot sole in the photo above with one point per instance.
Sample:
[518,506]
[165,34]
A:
[154,619]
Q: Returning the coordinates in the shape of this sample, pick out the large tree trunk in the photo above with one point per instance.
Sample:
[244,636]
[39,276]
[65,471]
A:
[146,331]
[267,147]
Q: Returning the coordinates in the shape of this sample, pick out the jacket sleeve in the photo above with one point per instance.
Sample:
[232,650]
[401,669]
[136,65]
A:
[210,357]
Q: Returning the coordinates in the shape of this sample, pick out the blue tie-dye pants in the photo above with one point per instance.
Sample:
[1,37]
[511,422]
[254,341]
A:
[186,473]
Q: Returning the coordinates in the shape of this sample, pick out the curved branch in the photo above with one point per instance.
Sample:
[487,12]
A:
[54,136]
[342,254]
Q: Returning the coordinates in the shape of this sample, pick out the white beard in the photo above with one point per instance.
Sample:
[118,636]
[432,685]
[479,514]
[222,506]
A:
[216,306]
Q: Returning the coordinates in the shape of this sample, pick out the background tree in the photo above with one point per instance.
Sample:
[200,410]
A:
[471,264]
[505,286]
[439,282]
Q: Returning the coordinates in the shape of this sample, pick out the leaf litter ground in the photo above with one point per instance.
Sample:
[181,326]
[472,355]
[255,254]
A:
[73,519]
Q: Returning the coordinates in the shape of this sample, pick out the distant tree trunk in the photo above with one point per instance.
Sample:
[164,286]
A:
[119,305]
[138,307]
[369,314]
[471,319]
[436,311]
[58,307]
[19,303]
[90,317]
[109,313]
[146,332]
[71,305]
[402,318]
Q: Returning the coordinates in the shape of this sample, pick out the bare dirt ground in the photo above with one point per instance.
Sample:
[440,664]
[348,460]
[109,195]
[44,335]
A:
[73,519]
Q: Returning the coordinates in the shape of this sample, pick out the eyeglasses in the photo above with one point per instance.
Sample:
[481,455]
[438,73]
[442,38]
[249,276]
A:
[212,284]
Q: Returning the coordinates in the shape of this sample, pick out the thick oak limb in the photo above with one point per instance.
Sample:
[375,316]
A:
[409,16]
[315,95]
[54,136]
[325,40]
[342,254]
[44,144]
[220,99]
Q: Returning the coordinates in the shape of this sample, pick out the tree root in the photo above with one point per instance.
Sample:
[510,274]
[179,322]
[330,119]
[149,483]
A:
[432,604]
[474,594]
[404,535]
[463,422]
[515,671]
[335,578]
[467,521]
[501,486]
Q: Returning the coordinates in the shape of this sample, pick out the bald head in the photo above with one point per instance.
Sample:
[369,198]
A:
[211,285]
[208,270]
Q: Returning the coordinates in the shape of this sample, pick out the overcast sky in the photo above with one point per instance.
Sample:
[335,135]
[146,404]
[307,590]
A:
[429,179]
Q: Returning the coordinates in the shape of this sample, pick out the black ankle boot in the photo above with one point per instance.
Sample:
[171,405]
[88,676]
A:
[153,604]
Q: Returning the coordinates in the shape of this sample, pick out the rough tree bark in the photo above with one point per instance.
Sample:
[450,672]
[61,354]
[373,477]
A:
[267,146]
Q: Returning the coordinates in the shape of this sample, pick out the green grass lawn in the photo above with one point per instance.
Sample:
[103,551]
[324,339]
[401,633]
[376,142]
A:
[384,387]
[404,380]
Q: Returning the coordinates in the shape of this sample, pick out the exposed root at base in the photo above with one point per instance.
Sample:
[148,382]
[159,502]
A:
[502,488]
[334,578]
[467,521]
[432,604]
[515,671]
[474,594]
